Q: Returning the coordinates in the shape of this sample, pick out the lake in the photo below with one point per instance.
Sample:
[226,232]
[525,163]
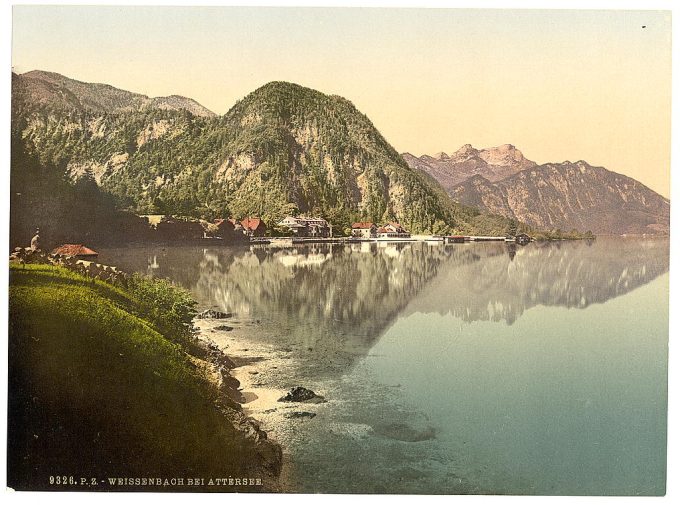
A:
[465,368]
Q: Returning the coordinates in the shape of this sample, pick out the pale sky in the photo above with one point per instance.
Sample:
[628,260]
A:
[559,85]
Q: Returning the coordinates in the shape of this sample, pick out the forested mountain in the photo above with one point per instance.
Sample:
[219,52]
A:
[552,196]
[283,149]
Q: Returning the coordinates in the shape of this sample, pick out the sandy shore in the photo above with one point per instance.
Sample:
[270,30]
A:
[265,374]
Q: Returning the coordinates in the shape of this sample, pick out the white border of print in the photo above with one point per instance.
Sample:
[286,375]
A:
[77,498]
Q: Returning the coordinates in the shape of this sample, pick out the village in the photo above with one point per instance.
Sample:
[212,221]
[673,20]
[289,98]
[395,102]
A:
[253,230]
[297,229]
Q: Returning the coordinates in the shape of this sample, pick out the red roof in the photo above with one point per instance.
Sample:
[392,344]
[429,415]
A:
[382,230]
[74,250]
[252,223]
[362,225]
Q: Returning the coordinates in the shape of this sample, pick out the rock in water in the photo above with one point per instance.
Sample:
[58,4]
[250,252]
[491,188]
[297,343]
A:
[300,415]
[214,314]
[300,394]
[224,327]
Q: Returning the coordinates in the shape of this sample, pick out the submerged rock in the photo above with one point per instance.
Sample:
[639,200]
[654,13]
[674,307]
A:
[300,394]
[404,432]
[214,314]
[224,327]
[300,415]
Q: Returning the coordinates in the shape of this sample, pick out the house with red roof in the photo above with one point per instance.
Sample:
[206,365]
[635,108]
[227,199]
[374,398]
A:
[395,228]
[78,251]
[253,227]
[364,230]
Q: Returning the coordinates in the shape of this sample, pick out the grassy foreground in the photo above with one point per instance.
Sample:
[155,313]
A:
[96,391]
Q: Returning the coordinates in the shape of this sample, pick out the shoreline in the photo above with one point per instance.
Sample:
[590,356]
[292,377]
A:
[218,368]
[264,374]
[242,369]
[284,241]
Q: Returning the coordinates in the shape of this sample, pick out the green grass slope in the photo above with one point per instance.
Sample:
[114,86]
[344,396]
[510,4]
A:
[96,391]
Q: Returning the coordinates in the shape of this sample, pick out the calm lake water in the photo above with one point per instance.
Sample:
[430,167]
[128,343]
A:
[468,368]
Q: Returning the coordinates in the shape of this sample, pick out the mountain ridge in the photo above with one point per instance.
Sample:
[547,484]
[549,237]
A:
[566,195]
[494,163]
[282,149]
[71,94]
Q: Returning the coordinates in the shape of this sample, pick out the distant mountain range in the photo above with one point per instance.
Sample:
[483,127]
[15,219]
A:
[283,149]
[48,91]
[563,196]
[493,164]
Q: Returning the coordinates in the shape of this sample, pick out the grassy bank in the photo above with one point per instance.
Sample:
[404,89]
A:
[100,386]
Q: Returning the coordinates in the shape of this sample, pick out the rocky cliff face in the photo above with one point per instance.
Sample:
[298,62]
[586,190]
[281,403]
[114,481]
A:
[281,150]
[571,196]
[552,196]
[493,164]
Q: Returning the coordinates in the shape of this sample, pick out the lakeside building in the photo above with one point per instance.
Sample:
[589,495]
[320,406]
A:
[364,230]
[153,219]
[392,230]
[253,227]
[78,251]
[308,226]
[522,239]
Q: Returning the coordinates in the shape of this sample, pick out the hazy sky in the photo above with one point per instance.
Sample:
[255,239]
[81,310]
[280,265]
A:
[559,85]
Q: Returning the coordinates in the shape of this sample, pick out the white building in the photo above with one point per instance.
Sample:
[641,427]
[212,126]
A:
[307,226]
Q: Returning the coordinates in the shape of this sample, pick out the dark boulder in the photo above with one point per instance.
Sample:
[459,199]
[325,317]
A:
[209,351]
[300,394]
[300,415]
[214,314]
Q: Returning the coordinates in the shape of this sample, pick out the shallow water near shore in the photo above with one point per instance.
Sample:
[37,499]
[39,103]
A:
[467,368]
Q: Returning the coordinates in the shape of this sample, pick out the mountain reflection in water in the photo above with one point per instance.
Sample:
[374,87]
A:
[335,300]
[498,282]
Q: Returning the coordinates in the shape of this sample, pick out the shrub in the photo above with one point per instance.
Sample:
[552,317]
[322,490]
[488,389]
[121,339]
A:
[168,307]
